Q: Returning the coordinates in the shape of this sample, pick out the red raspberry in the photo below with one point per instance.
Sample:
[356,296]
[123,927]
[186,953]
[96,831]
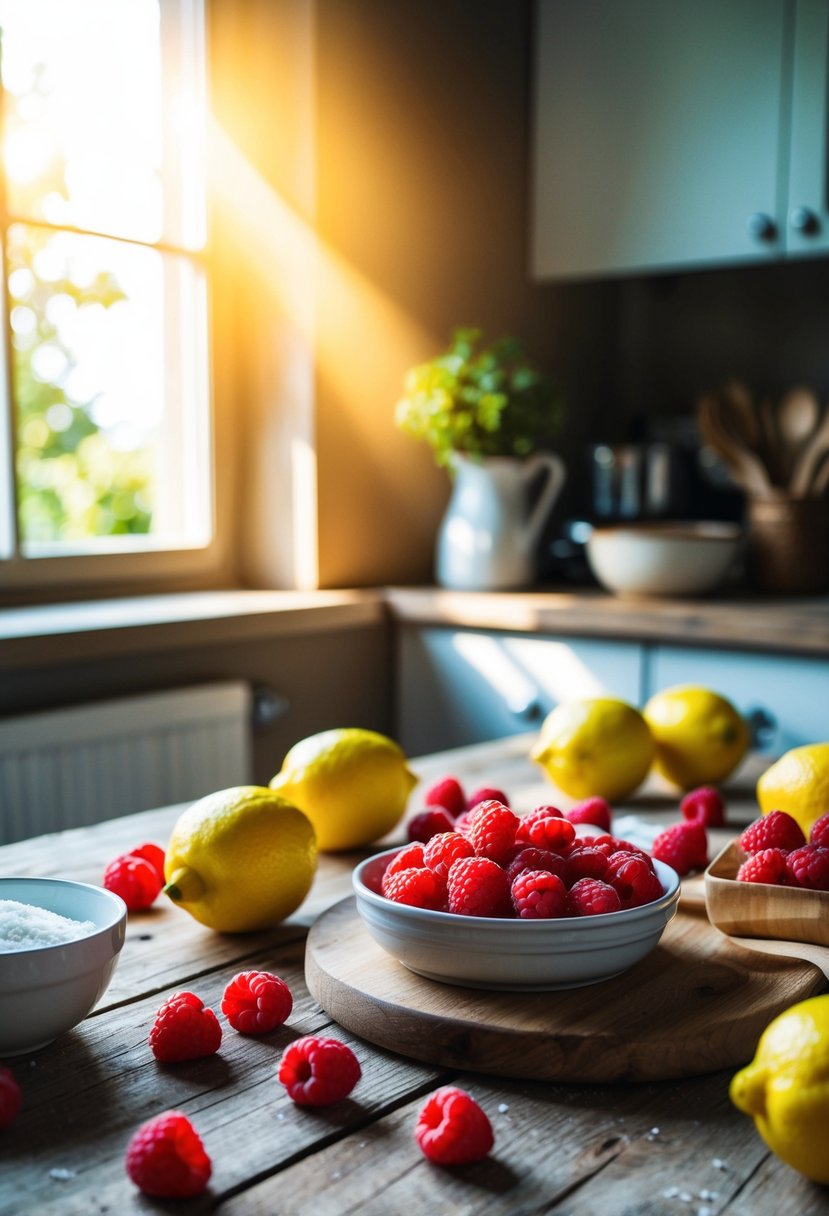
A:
[684,846]
[486,794]
[445,848]
[592,897]
[318,1071]
[546,828]
[591,810]
[449,794]
[634,878]
[809,867]
[769,865]
[184,1029]
[166,1158]
[585,862]
[452,1129]
[530,858]
[538,895]
[154,854]
[777,830]
[421,888]
[255,1002]
[133,878]
[705,804]
[492,830]
[819,832]
[423,826]
[11,1098]
[410,858]
[609,844]
[478,887]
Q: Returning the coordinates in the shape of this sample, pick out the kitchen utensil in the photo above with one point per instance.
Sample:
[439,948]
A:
[663,558]
[798,415]
[745,465]
[788,543]
[808,462]
[696,1004]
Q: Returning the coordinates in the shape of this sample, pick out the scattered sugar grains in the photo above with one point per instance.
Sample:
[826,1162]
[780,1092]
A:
[25,927]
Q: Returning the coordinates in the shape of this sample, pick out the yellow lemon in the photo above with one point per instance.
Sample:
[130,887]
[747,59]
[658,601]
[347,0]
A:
[786,1087]
[797,783]
[599,746]
[240,859]
[700,737]
[353,785]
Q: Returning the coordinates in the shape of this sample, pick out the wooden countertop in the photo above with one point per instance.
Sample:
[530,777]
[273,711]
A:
[581,1149]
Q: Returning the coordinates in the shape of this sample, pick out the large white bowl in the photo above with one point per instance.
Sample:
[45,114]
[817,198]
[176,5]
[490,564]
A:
[663,559]
[511,954]
[46,990]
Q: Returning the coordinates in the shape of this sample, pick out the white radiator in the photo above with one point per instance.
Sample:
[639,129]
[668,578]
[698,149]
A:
[69,767]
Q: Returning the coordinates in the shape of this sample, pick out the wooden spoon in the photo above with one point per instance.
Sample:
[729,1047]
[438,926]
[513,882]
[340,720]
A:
[807,465]
[798,415]
[745,466]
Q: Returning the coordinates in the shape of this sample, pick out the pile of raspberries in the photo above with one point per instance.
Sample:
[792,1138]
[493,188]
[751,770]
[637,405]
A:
[779,853]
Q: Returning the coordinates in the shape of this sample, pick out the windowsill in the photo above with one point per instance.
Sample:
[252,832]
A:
[33,636]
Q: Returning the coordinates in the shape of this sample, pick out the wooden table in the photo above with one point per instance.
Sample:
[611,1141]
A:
[668,1147]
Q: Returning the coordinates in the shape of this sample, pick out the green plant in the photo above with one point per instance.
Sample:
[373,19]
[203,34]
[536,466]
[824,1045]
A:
[480,398]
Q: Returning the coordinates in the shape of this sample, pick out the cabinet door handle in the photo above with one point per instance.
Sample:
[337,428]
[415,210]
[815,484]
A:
[761,226]
[804,220]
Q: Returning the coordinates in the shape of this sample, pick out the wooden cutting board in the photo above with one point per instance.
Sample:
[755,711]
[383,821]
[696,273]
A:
[698,1003]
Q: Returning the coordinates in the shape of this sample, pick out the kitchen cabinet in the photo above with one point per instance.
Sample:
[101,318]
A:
[678,133]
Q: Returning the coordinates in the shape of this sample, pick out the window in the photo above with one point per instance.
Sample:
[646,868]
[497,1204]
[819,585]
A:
[105,439]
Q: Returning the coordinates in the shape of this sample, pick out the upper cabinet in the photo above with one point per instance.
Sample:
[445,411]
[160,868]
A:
[678,133]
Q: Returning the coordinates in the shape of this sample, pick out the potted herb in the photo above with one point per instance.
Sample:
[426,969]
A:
[487,414]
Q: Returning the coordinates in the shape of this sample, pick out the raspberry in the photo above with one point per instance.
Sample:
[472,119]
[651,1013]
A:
[538,895]
[585,862]
[133,878]
[445,848]
[819,833]
[255,1002]
[634,878]
[154,854]
[166,1158]
[486,794]
[184,1029]
[705,804]
[478,887]
[11,1098]
[530,858]
[452,1129]
[769,865]
[410,858]
[592,897]
[317,1071]
[546,828]
[462,823]
[423,826]
[421,888]
[592,810]
[809,867]
[684,846]
[609,844]
[777,830]
[492,830]
[449,794]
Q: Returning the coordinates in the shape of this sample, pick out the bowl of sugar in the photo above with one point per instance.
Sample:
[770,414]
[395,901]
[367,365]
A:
[59,945]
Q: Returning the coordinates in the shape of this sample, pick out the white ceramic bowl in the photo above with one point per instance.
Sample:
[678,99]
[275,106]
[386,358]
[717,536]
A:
[46,990]
[511,954]
[663,559]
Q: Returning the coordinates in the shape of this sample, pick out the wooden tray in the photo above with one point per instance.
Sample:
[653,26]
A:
[762,910]
[696,1004]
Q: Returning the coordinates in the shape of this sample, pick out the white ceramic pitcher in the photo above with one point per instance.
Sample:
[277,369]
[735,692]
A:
[488,536]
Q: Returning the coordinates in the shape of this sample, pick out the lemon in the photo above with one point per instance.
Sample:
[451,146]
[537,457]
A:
[797,783]
[240,859]
[599,746]
[353,785]
[786,1087]
[700,737]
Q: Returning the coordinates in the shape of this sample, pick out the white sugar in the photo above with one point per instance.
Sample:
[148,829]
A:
[25,927]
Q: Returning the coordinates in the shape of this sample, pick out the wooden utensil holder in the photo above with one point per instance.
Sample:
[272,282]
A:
[788,544]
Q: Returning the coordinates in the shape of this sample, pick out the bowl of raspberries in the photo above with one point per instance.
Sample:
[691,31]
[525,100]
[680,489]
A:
[507,901]
[773,881]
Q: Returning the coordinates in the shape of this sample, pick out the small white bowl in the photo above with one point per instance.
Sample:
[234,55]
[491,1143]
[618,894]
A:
[663,559]
[46,990]
[511,954]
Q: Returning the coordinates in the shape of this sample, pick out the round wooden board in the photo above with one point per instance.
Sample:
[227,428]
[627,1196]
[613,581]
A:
[698,1003]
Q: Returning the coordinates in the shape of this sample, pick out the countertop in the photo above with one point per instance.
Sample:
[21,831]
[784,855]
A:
[665,1147]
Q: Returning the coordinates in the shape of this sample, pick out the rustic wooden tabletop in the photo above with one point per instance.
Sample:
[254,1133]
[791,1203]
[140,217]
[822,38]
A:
[676,1146]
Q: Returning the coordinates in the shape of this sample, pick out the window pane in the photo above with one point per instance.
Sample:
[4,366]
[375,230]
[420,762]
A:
[101,128]
[109,380]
